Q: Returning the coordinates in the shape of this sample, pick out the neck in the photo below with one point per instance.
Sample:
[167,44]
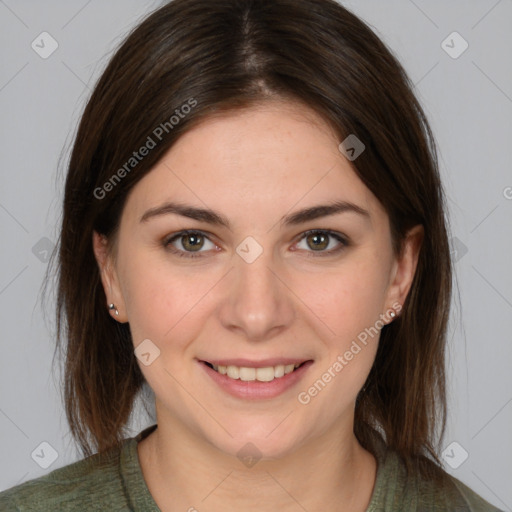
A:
[185,472]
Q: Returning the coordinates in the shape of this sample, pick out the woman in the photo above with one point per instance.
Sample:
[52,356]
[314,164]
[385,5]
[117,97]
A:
[254,226]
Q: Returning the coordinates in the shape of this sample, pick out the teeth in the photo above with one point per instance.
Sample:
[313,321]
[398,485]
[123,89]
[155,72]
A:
[233,372]
[289,368]
[278,371]
[246,374]
[266,374]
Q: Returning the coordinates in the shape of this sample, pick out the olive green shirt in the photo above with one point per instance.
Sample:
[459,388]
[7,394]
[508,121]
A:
[115,483]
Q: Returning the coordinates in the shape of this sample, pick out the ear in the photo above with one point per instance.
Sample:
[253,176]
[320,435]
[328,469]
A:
[404,268]
[109,278]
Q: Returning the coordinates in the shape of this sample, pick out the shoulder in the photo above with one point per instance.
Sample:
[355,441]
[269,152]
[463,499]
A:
[89,484]
[395,489]
[471,499]
[451,495]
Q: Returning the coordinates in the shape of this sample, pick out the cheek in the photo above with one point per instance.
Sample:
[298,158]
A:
[347,299]
[165,302]
[349,302]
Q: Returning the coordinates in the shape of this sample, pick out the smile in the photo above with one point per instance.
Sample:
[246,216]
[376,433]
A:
[245,379]
[248,374]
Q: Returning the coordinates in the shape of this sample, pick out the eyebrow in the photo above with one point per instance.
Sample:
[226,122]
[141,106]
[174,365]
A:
[216,219]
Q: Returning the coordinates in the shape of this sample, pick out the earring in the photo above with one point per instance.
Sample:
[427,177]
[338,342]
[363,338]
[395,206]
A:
[111,307]
[392,314]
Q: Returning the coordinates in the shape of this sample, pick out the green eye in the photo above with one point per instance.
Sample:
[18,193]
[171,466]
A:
[192,242]
[317,241]
[189,244]
[322,242]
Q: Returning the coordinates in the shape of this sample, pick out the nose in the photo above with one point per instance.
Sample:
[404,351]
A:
[258,304]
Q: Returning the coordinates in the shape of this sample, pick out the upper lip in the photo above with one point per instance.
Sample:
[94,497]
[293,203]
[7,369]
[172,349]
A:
[262,363]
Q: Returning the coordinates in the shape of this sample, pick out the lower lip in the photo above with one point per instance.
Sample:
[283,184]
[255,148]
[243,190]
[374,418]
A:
[256,389]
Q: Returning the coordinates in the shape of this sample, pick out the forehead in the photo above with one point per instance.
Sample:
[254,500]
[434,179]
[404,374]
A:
[264,160]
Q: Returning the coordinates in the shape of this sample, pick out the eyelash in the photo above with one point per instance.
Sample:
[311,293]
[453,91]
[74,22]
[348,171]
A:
[313,254]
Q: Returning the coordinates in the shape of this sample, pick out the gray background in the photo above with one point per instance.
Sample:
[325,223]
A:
[468,100]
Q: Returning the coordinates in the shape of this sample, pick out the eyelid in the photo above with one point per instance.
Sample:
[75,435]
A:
[167,242]
[343,240]
[340,237]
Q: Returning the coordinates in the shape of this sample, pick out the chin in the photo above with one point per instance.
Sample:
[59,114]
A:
[262,441]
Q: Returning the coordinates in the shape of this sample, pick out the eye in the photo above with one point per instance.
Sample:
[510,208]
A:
[322,242]
[186,243]
[193,244]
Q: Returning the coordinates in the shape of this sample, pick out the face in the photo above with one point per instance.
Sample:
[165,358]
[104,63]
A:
[255,270]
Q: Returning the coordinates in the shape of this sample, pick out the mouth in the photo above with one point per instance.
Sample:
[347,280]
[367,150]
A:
[258,373]
[256,380]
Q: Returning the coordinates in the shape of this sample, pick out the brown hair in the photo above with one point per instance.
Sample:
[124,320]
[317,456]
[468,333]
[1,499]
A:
[230,54]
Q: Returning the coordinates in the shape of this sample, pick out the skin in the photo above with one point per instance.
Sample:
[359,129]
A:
[253,167]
